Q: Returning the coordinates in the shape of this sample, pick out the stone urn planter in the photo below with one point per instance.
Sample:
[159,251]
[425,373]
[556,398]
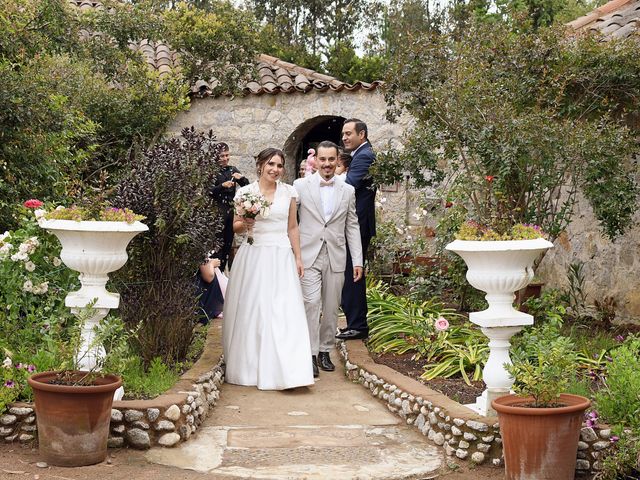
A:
[498,268]
[540,443]
[95,249]
[73,421]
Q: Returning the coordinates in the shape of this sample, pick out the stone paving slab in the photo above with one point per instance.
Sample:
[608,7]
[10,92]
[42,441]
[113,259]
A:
[332,430]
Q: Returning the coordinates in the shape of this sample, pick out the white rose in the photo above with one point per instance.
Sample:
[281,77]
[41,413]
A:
[5,235]
[6,248]
[246,204]
[56,262]
[19,256]
[41,289]
[27,286]
[39,213]
[30,266]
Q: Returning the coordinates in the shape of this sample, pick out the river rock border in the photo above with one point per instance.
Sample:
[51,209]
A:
[459,431]
[166,420]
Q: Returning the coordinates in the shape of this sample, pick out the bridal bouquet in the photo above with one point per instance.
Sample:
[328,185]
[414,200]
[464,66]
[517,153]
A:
[250,205]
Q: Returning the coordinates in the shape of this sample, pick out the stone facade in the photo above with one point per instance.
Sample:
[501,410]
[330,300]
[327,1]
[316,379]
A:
[254,122]
[611,269]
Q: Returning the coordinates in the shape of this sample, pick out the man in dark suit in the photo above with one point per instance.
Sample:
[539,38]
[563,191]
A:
[354,294]
[223,191]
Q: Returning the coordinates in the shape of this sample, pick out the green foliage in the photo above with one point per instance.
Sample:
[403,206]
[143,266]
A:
[621,461]
[399,325]
[543,363]
[169,185]
[224,36]
[463,349]
[76,100]
[107,214]
[516,125]
[150,382]
[619,399]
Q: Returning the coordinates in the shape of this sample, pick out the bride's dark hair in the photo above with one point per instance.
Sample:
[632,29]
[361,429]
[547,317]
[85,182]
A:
[267,154]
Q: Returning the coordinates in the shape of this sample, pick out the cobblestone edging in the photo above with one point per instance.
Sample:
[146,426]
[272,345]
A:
[165,421]
[459,431]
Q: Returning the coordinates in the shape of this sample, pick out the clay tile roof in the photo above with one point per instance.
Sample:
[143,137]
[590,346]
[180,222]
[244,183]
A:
[616,19]
[273,75]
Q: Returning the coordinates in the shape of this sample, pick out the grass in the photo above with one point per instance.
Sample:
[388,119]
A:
[149,383]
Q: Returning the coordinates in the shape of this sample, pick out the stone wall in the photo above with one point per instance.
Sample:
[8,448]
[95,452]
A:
[166,420]
[253,122]
[611,269]
[458,430]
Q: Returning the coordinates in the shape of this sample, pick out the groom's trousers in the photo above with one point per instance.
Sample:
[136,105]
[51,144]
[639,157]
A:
[321,290]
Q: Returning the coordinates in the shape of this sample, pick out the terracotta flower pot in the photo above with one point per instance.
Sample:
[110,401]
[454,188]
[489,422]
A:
[540,443]
[73,421]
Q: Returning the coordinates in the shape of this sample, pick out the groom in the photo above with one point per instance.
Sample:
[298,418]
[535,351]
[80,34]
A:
[328,221]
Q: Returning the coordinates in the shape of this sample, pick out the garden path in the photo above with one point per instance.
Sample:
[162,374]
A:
[333,430]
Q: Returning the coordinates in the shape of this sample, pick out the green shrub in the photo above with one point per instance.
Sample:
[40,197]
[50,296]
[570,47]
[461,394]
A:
[618,401]
[141,382]
[169,185]
[543,363]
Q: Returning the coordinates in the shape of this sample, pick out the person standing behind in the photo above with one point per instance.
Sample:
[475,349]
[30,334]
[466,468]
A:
[342,167]
[223,191]
[354,293]
[327,211]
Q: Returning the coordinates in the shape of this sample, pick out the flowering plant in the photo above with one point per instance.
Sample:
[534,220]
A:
[105,214]
[13,378]
[249,205]
[34,322]
[472,230]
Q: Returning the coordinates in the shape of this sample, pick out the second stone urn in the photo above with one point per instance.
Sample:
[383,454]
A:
[499,268]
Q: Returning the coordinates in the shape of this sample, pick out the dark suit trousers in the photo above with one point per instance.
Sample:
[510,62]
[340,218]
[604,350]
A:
[354,295]
[227,241]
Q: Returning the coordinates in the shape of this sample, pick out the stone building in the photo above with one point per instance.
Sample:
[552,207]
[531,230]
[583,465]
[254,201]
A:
[287,107]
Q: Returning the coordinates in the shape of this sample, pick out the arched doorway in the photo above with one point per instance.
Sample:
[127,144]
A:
[307,135]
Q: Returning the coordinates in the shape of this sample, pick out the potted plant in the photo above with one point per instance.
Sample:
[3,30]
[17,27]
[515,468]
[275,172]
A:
[540,425]
[73,406]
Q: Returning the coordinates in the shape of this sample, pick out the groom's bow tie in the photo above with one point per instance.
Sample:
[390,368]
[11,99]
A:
[327,183]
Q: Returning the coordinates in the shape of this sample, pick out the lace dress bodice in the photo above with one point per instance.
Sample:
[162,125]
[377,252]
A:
[272,230]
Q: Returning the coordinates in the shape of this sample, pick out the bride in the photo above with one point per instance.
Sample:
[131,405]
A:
[265,335]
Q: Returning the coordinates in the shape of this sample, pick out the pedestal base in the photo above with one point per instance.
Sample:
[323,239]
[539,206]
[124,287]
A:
[483,402]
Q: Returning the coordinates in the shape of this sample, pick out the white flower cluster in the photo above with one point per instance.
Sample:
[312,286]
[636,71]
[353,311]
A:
[7,363]
[380,203]
[5,247]
[25,249]
[40,289]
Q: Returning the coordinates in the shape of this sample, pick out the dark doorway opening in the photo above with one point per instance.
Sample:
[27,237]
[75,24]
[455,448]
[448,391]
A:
[309,134]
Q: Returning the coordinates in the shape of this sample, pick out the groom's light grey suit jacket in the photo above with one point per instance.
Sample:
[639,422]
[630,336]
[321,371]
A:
[341,227]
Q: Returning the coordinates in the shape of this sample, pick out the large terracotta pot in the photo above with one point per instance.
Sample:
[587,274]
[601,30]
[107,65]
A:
[73,421]
[540,443]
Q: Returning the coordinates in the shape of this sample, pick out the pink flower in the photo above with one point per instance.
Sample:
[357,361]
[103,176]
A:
[9,384]
[489,178]
[31,368]
[441,324]
[33,203]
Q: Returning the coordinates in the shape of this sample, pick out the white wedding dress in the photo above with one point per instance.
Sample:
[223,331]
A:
[265,334]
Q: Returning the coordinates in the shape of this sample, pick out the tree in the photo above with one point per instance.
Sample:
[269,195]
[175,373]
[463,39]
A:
[513,126]
[76,100]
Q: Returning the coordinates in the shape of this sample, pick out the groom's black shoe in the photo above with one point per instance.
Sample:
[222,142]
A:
[352,335]
[314,364]
[324,362]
